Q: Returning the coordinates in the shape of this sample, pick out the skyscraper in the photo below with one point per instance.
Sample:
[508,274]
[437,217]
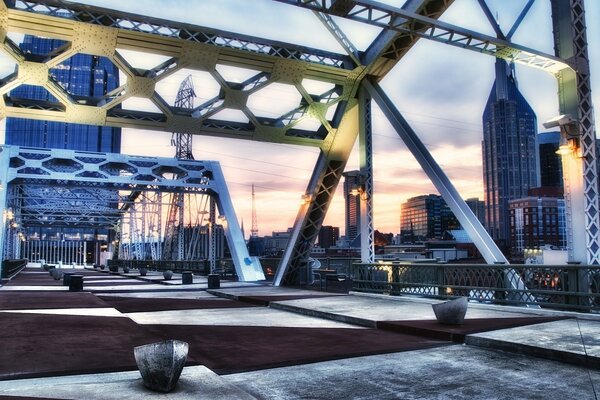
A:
[352,184]
[80,75]
[425,217]
[509,151]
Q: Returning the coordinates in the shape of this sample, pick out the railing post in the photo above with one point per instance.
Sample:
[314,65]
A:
[395,281]
[573,283]
[501,283]
[440,279]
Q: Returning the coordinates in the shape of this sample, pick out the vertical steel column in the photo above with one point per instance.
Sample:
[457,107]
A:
[365,138]
[574,90]
[292,269]
[212,239]
[181,227]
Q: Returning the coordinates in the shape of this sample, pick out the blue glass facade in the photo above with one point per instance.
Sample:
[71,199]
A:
[510,166]
[80,75]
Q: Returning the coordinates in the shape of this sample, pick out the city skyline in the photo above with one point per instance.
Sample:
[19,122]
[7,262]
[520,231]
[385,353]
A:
[441,99]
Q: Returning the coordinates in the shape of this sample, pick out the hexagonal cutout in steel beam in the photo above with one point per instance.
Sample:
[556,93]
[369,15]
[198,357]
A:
[274,100]
[142,61]
[316,88]
[205,86]
[88,79]
[35,48]
[169,172]
[118,169]
[235,74]
[64,165]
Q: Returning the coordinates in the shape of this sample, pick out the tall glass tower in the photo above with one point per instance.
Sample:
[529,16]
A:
[352,201]
[509,151]
[80,75]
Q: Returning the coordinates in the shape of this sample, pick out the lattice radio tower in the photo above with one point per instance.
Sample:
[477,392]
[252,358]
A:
[254,230]
[174,235]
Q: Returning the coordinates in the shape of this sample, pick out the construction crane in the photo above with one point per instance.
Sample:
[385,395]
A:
[173,248]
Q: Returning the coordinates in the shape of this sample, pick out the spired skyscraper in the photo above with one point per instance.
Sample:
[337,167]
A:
[510,166]
[80,75]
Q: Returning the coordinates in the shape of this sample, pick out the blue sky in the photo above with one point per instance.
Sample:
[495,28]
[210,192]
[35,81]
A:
[441,90]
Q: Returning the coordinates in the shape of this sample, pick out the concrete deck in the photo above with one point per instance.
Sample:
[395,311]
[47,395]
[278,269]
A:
[556,359]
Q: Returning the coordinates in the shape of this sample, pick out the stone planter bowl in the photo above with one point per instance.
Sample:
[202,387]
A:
[451,312]
[161,363]
[168,274]
[143,271]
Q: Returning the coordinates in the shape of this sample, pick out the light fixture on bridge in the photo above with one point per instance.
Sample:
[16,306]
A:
[306,198]
[567,146]
[569,133]
[360,191]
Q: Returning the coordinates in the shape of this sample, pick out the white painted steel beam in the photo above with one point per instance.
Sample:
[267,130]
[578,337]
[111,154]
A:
[486,246]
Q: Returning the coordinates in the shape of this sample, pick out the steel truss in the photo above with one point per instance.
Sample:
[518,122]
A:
[69,188]
[339,111]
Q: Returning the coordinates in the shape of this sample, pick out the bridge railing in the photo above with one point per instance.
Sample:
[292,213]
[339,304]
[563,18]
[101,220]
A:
[175,266]
[572,287]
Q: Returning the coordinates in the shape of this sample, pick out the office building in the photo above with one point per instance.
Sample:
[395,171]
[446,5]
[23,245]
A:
[510,166]
[425,217]
[536,221]
[478,208]
[80,75]
[550,162]
[328,236]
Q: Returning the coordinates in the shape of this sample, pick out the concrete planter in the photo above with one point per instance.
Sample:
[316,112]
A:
[57,274]
[125,270]
[143,271]
[451,312]
[168,274]
[161,363]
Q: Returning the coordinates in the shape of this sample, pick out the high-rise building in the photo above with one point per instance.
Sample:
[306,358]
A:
[80,75]
[550,162]
[425,217]
[537,220]
[328,236]
[352,184]
[510,165]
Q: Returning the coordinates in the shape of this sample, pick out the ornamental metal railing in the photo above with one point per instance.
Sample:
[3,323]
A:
[572,287]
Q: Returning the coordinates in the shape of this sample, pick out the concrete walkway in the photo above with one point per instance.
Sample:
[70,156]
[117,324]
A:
[557,358]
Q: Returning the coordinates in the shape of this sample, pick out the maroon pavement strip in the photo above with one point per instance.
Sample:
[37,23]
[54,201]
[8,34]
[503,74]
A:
[265,300]
[35,345]
[133,304]
[24,300]
[231,349]
[457,333]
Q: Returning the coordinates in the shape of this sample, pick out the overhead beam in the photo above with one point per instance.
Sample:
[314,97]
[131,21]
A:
[160,34]
[397,19]
[390,46]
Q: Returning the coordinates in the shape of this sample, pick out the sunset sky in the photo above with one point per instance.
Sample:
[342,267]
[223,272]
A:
[441,90]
